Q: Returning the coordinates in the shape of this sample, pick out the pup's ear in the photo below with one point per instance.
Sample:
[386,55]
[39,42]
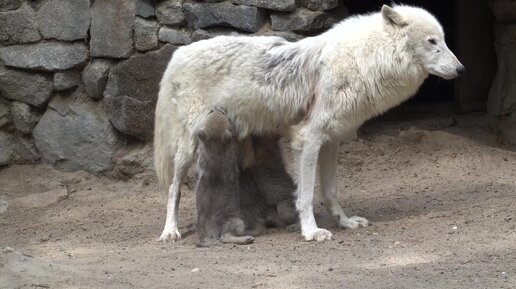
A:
[202,135]
[226,136]
[391,17]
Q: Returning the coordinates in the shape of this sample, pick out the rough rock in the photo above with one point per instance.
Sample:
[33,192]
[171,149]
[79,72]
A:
[24,117]
[5,116]
[46,56]
[133,161]
[64,20]
[502,97]
[319,4]
[504,10]
[170,12]
[132,91]
[201,34]
[25,151]
[95,77]
[75,134]
[277,5]
[112,28]
[66,79]
[18,26]
[145,34]
[246,18]
[41,200]
[302,20]
[6,5]
[145,8]
[34,89]
[3,205]
[6,148]
[174,36]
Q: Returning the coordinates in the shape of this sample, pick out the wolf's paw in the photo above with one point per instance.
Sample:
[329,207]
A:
[318,235]
[170,235]
[354,222]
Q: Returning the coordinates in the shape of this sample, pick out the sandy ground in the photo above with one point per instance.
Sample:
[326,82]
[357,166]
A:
[441,199]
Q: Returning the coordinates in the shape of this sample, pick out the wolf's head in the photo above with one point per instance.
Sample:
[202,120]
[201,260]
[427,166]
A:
[425,38]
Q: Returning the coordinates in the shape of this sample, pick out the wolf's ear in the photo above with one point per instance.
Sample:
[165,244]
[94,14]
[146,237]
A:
[391,17]
[226,136]
[202,135]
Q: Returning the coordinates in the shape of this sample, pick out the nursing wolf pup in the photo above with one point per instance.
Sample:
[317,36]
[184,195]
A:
[327,85]
[230,207]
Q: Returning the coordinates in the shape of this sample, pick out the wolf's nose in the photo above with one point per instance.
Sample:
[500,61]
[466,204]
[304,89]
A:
[461,69]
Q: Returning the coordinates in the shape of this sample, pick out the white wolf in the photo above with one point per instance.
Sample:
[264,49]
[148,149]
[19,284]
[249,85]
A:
[327,85]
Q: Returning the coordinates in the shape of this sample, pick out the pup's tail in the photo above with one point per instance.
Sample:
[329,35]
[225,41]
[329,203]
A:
[168,129]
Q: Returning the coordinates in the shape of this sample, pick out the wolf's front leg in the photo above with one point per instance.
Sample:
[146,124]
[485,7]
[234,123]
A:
[328,180]
[305,191]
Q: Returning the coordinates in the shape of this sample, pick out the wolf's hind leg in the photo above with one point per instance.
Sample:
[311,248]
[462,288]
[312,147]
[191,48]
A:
[182,162]
[328,180]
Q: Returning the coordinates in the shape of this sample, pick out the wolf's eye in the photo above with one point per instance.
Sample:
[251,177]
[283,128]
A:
[432,41]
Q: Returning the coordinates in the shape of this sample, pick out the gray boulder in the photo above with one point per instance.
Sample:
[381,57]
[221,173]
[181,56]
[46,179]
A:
[75,134]
[320,4]
[174,36]
[170,12]
[112,28]
[64,80]
[246,18]
[201,34]
[46,56]
[6,5]
[34,89]
[145,8]
[278,5]
[5,115]
[302,20]
[25,151]
[24,117]
[64,20]
[95,77]
[6,148]
[145,34]
[132,91]
[18,26]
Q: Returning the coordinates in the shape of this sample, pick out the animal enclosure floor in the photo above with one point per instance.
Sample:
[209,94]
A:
[441,197]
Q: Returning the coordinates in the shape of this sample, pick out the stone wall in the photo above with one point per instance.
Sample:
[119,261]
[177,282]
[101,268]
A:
[502,98]
[79,78]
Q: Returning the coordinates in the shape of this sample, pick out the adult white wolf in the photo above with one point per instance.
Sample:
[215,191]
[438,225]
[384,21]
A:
[329,85]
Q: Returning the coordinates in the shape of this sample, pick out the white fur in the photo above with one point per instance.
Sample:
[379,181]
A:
[326,85]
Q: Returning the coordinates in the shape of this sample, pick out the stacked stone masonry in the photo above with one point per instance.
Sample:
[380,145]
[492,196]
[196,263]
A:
[79,78]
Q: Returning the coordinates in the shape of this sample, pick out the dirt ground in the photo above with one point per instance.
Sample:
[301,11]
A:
[441,198]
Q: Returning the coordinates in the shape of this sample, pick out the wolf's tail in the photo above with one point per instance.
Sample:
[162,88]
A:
[167,131]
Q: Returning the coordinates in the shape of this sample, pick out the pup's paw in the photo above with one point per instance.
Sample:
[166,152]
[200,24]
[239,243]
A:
[318,235]
[248,240]
[354,222]
[170,235]
[294,227]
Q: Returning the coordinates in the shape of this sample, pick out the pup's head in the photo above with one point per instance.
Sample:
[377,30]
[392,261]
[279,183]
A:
[426,38]
[216,128]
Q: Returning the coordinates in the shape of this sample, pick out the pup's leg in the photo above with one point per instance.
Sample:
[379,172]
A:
[328,178]
[229,238]
[305,194]
[233,230]
[182,162]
